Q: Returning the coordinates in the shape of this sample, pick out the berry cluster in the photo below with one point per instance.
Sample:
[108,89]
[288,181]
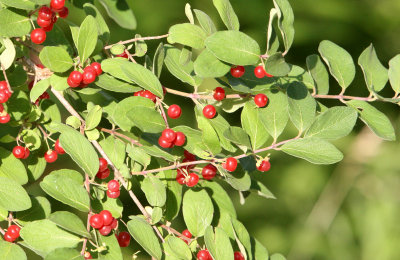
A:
[20,152]
[104,222]
[183,176]
[146,94]
[12,233]
[89,75]
[113,189]
[169,138]
[104,171]
[5,94]
[46,18]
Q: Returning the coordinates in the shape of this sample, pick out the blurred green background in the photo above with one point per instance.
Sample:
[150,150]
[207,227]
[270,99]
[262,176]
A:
[344,211]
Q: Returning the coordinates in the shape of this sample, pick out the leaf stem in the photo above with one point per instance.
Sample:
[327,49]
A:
[137,39]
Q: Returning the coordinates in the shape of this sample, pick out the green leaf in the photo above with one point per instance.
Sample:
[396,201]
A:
[40,209]
[13,196]
[208,66]
[375,74]
[394,73]
[115,150]
[142,232]
[35,167]
[285,22]
[209,134]
[272,37]
[227,14]
[140,46]
[184,72]
[18,105]
[107,82]
[120,12]
[239,180]
[197,211]
[218,244]
[15,23]
[187,34]
[314,150]
[44,236]
[277,256]
[70,222]
[147,119]
[113,67]
[276,65]
[113,251]
[143,77]
[234,47]
[334,123]
[11,167]
[66,189]
[238,136]
[57,37]
[175,247]
[20,4]
[221,200]
[158,60]
[102,28]
[174,195]
[242,237]
[38,89]
[56,59]
[80,150]
[87,38]
[7,57]
[377,121]
[258,188]
[64,254]
[11,251]
[58,82]
[3,214]
[249,83]
[302,106]
[260,252]
[155,192]
[339,61]
[194,142]
[94,117]
[31,138]
[251,123]
[113,205]
[319,74]
[275,116]
[205,22]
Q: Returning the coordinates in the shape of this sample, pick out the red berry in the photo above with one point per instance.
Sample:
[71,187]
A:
[268,75]
[45,95]
[187,233]
[45,13]
[76,77]
[204,255]
[113,194]
[113,185]
[193,180]
[3,96]
[180,139]
[169,135]
[124,238]
[96,221]
[57,4]
[189,156]
[43,23]
[38,36]
[105,230]
[103,174]
[71,84]
[164,143]
[87,255]
[180,177]
[230,164]
[3,85]
[259,72]
[48,29]
[264,166]
[8,238]
[103,164]
[238,256]
[209,171]
[27,153]
[4,118]
[89,75]
[261,100]
[219,93]
[114,224]
[63,13]
[174,111]
[1,108]
[19,152]
[107,217]
[237,71]
[13,231]
[122,55]
[51,156]
[58,148]
[209,111]
[149,95]
[97,67]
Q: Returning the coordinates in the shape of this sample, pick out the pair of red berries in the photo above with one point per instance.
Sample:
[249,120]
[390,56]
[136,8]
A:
[103,171]
[5,93]
[230,164]
[104,222]
[174,111]
[113,191]
[146,94]
[169,138]
[209,111]
[204,255]
[264,166]
[12,233]
[190,179]
[89,75]
[51,156]
[259,72]
[124,239]
[20,152]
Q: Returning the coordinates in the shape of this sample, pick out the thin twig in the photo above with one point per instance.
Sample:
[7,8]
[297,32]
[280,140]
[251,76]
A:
[6,78]
[87,186]
[137,39]
[160,106]
[131,140]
